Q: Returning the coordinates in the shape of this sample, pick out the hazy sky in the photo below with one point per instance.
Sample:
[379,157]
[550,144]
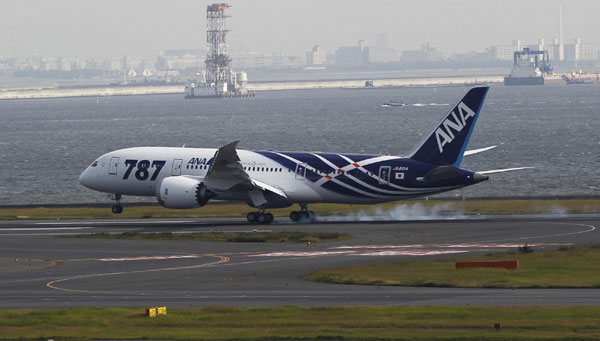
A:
[113,28]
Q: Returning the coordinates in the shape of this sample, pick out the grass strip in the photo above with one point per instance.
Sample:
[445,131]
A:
[445,207]
[431,322]
[572,267]
[237,237]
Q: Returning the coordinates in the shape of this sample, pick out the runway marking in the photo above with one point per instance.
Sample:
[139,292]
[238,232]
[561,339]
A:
[368,250]
[115,222]
[43,234]
[592,228]
[301,253]
[357,253]
[52,285]
[411,253]
[223,261]
[455,246]
[402,250]
[44,228]
[122,259]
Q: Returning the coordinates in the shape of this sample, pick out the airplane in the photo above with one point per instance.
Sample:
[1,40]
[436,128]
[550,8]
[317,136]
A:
[182,178]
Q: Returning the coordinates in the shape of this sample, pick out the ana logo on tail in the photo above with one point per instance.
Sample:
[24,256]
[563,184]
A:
[444,134]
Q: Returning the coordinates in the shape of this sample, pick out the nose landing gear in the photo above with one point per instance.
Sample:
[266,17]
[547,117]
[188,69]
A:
[260,217]
[304,215]
[117,208]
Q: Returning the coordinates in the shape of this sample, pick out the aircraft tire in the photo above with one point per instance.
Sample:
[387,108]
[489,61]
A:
[117,209]
[294,216]
[269,218]
[252,217]
[261,218]
[312,216]
[304,217]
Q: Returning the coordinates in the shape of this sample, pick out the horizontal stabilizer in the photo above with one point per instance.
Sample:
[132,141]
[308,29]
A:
[442,173]
[477,151]
[494,171]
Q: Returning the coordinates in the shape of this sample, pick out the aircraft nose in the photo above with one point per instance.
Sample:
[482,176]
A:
[86,178]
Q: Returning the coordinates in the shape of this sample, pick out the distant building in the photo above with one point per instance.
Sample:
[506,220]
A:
[350,55]
[48,64]
[180,59]
[556,51]
[580,51]
[505,52]
[69,64]
[259,60]
[502,52]
[381,52]
[111,66]
[588,51]
[572,51]
[427,53]
[474,56]
[314,56]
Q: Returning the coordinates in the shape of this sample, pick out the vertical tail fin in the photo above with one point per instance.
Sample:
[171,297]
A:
[447,142]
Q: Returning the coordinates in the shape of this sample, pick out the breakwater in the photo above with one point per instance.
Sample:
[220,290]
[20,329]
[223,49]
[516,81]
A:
[101,91]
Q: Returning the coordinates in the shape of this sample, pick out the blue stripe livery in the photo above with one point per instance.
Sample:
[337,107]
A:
[433,166]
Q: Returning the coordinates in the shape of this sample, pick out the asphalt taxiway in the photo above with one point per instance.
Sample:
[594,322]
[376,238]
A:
[43,265]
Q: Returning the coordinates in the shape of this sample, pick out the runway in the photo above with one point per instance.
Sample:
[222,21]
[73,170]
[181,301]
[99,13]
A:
[43,265]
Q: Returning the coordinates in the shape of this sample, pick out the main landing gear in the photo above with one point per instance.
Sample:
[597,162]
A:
[260,217]
[117,208]
[304,215]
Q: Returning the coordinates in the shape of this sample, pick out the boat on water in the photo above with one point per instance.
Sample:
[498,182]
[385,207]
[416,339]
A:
[393,104]
[529,68]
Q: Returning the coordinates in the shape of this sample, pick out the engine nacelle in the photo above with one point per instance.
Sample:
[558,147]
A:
[183,192]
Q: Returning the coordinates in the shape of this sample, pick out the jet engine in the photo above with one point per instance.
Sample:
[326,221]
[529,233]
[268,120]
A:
[183,192]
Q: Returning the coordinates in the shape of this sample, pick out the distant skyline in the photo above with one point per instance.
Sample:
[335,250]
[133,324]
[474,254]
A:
[105,29]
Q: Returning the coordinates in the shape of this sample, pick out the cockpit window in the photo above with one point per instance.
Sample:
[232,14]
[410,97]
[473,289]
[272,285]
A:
[94,164]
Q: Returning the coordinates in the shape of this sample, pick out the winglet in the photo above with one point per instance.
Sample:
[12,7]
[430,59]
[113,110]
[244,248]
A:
[447,142]
[225,156]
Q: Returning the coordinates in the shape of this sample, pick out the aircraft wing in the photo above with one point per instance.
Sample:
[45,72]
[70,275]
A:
[226,173]
[494,171]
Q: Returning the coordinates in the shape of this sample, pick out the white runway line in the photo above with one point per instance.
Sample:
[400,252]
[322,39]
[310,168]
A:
[113,222]
[45,228]
[121,259]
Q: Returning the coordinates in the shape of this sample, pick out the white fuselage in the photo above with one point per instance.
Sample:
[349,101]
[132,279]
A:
[139,171]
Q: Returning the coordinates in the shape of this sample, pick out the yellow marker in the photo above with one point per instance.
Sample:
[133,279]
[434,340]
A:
[162,310]
[151,312]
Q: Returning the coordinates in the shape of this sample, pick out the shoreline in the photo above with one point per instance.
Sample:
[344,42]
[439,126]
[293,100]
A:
[105,91]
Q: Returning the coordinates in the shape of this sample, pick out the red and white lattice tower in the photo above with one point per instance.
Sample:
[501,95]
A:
[217,61]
